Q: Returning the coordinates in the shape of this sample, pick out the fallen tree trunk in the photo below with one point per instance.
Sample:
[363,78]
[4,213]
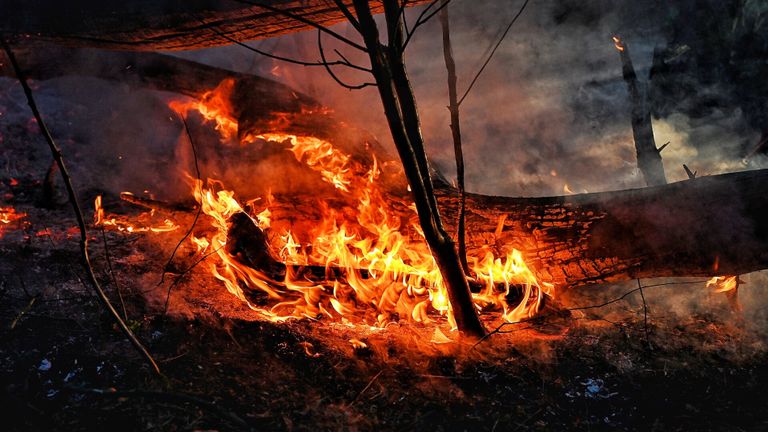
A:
[149,25]
[715,225]
[700,227]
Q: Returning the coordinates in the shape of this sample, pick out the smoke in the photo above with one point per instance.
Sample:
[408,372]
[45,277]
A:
[551,108]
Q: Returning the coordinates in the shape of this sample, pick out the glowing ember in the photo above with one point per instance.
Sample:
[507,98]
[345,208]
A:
[387,271]
[9,215]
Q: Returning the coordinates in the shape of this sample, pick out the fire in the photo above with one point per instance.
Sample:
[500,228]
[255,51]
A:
[214,106]
[618,43]
[723,283]
[378,267]
[9,215]
[122,224]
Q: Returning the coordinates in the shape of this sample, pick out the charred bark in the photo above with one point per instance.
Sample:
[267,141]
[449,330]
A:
[149,25]
[680,229]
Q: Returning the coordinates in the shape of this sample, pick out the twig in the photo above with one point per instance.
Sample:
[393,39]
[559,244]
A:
[199,207]
[422,19]
[23,312]
[76,208]
[330,70]
[493,51]
[182,274]
[344,61]
[368,385]
[153,204]
[645,314]
[112,273]
[164,396]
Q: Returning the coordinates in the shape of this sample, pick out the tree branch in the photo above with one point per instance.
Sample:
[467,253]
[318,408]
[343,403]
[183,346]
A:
[76,207]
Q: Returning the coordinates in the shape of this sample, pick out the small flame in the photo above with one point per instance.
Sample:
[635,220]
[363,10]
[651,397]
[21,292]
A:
[723,283]
[122,224]
[618,43]
[9,215]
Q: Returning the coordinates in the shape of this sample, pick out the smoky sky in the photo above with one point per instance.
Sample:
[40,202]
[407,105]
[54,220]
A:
[550,110]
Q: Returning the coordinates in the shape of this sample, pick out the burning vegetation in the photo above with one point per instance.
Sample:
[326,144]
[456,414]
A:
[282,270]
[366,250]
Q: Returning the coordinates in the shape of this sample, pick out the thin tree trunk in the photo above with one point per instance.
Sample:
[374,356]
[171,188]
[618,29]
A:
[400,109]
[453,108]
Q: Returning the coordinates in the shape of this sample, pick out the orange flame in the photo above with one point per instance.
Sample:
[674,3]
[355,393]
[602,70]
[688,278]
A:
[9,215]
[618,43]
[723,283]
[388,272]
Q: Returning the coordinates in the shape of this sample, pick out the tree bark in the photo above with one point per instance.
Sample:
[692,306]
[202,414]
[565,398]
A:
[714,225]
[149,25]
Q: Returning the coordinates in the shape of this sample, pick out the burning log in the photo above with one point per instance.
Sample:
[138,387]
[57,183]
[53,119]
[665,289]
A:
[699,227]
[702,227]
[148,25]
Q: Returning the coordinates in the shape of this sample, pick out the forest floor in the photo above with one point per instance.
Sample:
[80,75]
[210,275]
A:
[64,366]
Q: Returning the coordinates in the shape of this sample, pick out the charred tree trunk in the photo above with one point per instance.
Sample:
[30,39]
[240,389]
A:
[648,156]
[400,109]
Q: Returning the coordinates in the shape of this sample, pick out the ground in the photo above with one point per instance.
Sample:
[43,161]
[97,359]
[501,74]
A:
[64,366]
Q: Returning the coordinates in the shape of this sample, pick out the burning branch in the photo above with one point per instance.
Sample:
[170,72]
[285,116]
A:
[76,207]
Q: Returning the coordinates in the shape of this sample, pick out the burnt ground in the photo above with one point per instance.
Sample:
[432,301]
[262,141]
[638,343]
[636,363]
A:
[64,366]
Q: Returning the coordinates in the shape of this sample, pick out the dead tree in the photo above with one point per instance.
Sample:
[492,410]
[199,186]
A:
[648,156]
